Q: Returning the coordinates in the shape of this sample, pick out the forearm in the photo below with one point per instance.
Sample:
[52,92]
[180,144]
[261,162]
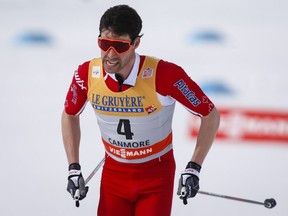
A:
[71,136]
[207,132]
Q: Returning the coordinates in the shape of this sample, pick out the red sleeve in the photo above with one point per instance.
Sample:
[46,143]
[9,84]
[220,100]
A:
[77,94]
[172,80]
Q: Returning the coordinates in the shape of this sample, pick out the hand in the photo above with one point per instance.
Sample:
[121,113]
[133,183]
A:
[76,184]
[189,182]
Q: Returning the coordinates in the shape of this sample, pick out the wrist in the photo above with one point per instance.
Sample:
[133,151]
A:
[74,166]
[193,165]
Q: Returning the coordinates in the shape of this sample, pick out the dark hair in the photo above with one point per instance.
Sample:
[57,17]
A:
[121,20]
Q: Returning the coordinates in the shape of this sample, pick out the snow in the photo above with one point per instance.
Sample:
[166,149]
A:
[251,59]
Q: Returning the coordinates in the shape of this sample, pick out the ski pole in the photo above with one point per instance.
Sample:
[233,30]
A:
[77,203]
[94,171]
[268,203]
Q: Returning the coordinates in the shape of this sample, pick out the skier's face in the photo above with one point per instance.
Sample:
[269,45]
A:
[117,52]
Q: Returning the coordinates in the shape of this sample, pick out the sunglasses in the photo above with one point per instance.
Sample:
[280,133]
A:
[119,46]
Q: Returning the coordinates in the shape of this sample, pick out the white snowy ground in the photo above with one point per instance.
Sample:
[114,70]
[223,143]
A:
[35,78]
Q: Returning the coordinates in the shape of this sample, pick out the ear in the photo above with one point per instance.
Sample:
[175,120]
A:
[137,42]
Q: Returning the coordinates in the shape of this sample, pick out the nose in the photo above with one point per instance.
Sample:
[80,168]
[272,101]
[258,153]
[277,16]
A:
[111,53]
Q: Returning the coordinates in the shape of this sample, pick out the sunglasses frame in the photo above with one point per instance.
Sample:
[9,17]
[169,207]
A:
[113,47]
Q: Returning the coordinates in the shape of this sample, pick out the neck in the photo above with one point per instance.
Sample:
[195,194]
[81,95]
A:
[128,68]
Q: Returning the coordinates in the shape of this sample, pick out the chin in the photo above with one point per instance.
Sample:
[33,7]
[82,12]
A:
[111,70]
[107,70]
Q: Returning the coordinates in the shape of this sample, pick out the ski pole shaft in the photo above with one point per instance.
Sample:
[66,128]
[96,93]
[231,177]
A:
[268,203]
[94,171]
[230,197]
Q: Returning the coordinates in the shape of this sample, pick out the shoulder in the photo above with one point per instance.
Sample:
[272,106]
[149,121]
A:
[84,66]
[169,68]
[168,71]
[83,70]
[168,65]
[162,64]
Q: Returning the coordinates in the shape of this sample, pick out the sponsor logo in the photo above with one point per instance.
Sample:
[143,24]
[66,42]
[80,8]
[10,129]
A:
[117,109]
[124,153]
[252,125]
[75,94]
[147,73]
[190,95]
[79,81]
[96,72]
[117,104]
[151,109]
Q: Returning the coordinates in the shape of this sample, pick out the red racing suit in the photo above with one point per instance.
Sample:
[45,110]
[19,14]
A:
[135,120]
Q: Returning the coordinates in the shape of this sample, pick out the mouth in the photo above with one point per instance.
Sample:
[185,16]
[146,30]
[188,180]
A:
[111,63]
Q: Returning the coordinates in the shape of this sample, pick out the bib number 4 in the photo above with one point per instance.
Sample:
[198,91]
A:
[124,128]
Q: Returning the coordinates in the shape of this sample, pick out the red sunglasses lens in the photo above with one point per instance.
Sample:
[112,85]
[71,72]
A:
[119,46]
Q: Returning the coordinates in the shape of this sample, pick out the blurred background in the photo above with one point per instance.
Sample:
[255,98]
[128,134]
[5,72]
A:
[236,51]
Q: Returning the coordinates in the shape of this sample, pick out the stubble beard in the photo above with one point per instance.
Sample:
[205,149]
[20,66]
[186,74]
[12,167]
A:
[112,66]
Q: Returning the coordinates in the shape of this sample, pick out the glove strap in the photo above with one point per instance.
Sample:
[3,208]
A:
[74,166]
[194,166]
[74,170]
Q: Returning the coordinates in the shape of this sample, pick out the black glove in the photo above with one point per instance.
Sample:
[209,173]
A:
[189,182]
[76,184]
